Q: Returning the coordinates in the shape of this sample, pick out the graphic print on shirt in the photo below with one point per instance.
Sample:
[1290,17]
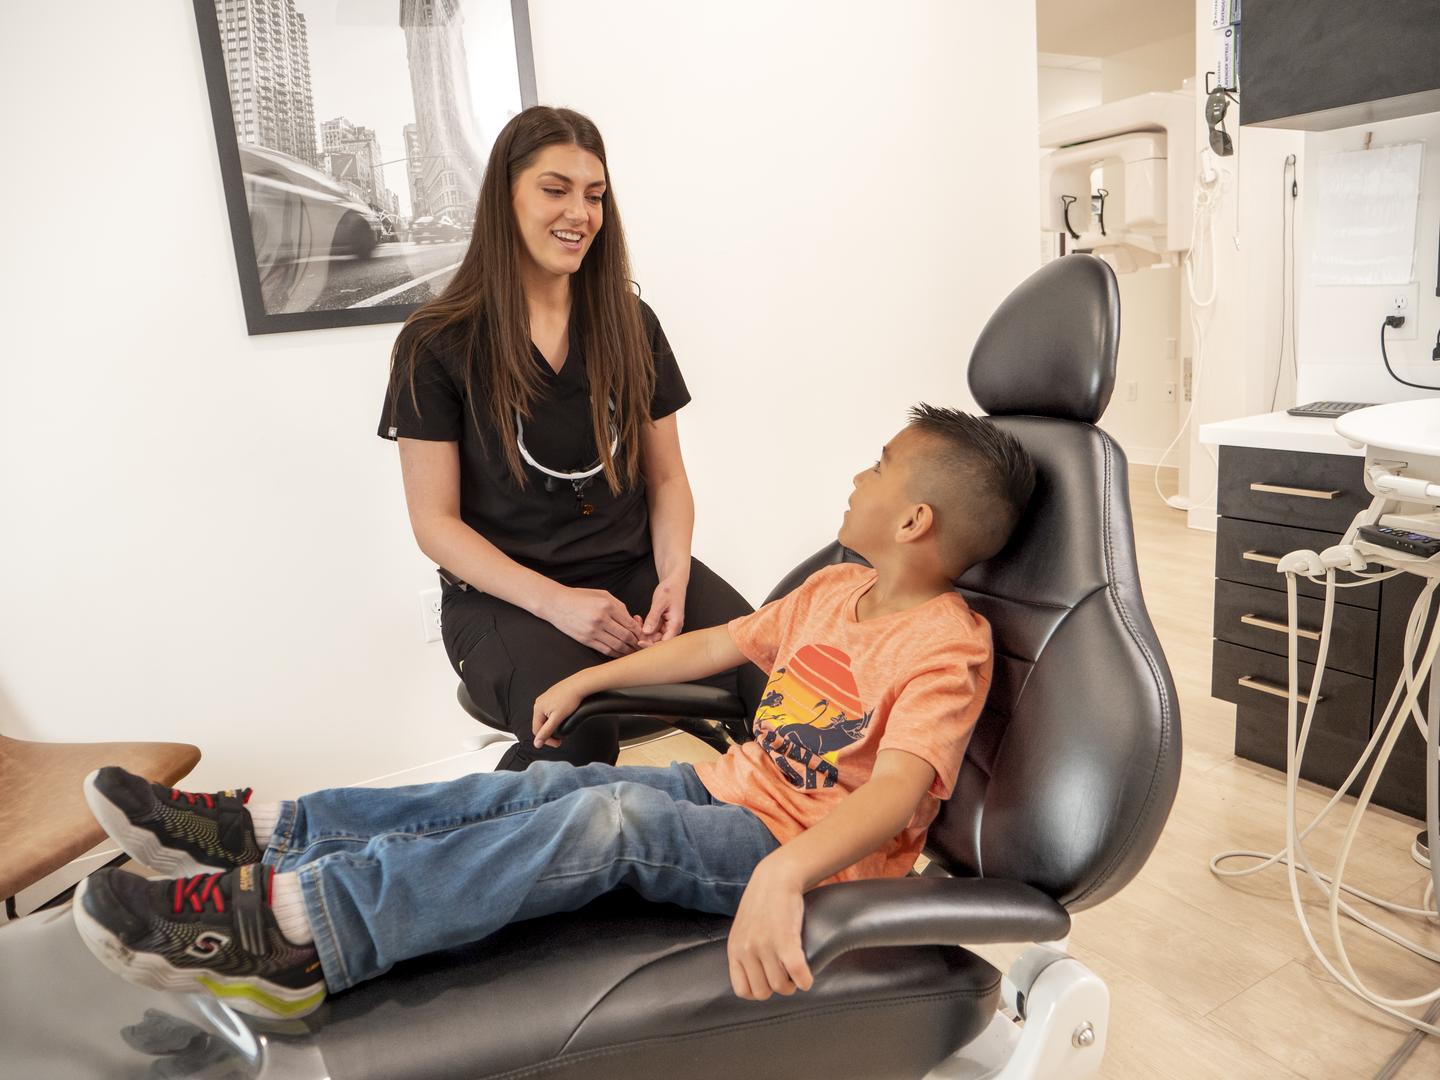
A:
[810,712]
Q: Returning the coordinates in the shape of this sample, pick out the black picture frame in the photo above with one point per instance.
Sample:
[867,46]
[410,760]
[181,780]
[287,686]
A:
[258,319]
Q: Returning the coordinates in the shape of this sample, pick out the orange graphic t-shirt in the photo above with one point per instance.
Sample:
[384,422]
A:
[840,691]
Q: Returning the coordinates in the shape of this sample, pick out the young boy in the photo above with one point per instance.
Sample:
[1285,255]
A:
[876,679]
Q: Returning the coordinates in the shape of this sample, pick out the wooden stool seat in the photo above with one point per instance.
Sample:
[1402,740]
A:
[44,820]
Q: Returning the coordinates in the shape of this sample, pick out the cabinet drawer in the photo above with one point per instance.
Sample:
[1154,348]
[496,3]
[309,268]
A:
[1247,551]
[1397,601]
[1260,736]
[1247,615]
[1344,708]
[1313,491]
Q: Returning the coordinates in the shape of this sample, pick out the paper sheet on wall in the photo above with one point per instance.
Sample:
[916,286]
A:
[1365,224]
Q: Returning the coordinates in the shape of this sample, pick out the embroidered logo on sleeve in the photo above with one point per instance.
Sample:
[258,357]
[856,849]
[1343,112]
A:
[810,712]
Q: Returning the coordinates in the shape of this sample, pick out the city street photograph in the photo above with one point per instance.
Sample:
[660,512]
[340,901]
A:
[352,135]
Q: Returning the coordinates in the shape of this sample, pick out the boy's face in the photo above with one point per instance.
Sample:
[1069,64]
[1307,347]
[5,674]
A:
[880,502]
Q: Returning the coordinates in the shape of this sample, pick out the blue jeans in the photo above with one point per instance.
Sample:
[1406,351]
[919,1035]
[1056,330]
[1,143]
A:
[391,873]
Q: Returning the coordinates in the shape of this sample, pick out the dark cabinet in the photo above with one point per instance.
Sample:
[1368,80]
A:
[1317,65]
[1272,502]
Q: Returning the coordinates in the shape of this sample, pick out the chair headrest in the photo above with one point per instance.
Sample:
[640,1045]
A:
[1049,349]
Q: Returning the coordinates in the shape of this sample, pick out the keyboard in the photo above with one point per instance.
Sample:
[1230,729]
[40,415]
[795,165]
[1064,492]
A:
[1328,409]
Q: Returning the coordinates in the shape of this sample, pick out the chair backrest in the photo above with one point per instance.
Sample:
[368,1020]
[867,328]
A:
[1075,760]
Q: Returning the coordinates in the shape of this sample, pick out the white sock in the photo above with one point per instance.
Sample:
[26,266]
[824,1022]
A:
[288,904]
[263,816]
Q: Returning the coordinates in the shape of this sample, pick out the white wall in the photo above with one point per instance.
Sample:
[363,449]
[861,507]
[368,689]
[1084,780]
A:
[1236,355]
[1339,324]
[1335,328]
[203,538]
[1156,65]
[1149,359]
[1066,84]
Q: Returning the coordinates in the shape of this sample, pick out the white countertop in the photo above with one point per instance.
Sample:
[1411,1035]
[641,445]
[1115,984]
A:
[1279,431]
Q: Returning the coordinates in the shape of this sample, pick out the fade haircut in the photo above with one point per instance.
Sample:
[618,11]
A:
[976,477]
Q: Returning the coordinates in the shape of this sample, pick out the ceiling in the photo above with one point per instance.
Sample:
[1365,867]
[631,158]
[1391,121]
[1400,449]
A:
[1105,27]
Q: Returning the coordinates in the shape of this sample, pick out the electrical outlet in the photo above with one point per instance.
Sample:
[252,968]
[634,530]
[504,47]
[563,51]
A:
[1168,393]
[430,614]
[1402,300]
[1132,390]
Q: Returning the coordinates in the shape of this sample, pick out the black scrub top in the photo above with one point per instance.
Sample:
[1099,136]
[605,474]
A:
[540,529]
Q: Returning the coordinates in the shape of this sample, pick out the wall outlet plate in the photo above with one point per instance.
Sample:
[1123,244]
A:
[430,614]
[1402,300]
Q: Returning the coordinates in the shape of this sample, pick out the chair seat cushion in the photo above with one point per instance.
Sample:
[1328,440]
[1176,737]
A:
[618,989]
[625,989]
[44,821]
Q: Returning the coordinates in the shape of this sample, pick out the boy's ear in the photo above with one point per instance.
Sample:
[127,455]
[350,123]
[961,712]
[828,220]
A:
[919,523]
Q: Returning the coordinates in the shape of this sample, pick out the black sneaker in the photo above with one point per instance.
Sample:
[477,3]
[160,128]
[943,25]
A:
[212,932]
[173,831]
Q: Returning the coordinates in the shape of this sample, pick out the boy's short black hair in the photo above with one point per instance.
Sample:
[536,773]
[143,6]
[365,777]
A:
[976,477]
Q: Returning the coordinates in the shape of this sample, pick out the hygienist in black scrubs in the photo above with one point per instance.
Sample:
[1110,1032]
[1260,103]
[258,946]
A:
[534,406]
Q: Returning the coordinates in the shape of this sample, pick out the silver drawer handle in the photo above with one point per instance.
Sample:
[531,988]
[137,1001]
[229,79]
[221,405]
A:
[1252,683]
[1260,556]
[1306,493]
[1279,628]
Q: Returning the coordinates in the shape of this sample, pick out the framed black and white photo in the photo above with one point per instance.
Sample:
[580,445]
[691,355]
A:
[352,138]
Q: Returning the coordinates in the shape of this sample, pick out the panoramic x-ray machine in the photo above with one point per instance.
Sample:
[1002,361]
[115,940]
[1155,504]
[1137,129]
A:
[1118,179]
[1399,532]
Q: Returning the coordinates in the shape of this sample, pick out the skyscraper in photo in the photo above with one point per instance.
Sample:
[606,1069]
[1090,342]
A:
[415,171]
[358,147]
[267,63]
[450,166]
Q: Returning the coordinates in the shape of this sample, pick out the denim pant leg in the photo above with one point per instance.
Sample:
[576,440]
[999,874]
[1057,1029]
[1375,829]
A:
[388,874]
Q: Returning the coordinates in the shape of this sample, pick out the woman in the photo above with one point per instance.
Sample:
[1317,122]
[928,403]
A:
[534,406]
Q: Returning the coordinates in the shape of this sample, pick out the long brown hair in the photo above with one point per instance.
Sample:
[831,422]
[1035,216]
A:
[485,304]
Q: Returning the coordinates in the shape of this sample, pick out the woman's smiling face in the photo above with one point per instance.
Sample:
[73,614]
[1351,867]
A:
[558,202]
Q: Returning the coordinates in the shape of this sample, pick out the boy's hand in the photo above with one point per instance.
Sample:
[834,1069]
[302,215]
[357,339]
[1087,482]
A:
[551,709]
[765,951]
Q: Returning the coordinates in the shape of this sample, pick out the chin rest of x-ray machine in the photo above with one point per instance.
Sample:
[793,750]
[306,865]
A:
[1068,780]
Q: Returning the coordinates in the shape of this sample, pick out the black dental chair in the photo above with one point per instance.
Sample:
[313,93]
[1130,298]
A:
[1067,783]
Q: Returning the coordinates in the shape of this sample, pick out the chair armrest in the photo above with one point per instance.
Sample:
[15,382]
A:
[926,911]
[665,702]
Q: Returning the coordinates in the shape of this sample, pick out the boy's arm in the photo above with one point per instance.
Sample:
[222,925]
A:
[765,949]
[681,659]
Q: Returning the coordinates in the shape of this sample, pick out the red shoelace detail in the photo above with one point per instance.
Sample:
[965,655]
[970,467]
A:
[192,797]
[199,890]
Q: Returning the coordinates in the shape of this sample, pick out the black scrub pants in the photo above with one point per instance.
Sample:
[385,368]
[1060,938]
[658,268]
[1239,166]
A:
[508,657]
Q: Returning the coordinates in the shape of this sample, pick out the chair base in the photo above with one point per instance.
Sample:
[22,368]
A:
[1062,1036]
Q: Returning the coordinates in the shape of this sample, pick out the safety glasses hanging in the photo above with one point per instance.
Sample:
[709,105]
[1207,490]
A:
[578,481]
[1217,104]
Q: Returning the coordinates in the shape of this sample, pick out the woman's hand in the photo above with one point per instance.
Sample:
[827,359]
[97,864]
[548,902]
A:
[595,618]
[765,951]
[551,709]
[667,611]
